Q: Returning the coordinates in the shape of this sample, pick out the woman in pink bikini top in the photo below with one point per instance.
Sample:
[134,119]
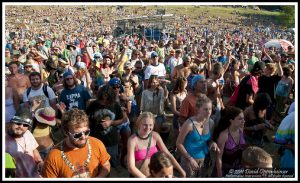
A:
[145,139]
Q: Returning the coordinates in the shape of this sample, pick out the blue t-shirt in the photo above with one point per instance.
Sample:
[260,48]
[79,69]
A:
[222,59]
[75,98]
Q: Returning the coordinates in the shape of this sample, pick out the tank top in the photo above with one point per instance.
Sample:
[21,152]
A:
[179,99]
[140,154]
[232,154]
[196,144]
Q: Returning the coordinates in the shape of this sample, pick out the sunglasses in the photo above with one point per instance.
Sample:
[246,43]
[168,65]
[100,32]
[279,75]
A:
[21,124]
[28,66]
[138,67]
[61,76]
[116,87]
[79,134]
[67,79]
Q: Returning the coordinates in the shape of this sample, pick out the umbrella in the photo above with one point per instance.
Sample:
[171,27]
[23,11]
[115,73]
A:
[279,43]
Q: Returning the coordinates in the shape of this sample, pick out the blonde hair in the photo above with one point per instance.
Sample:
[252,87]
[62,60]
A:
[256,157]
[143,116]
[271,67]
[74,117]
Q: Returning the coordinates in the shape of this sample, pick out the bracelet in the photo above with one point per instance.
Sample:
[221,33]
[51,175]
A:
[254,127]
[189,157]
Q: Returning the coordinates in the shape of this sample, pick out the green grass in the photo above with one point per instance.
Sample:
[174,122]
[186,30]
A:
[189,10]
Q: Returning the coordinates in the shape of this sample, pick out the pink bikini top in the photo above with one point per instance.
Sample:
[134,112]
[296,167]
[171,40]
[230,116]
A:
[140,154]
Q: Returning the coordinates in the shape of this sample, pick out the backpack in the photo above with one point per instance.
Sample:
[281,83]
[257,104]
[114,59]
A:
[44,90]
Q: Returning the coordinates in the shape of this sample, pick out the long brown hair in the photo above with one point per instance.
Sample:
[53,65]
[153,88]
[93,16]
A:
[179,85]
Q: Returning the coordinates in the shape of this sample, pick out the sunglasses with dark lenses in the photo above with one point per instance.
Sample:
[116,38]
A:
[61,76]
[21,124]
[79,134]
[67,79]
[116,87]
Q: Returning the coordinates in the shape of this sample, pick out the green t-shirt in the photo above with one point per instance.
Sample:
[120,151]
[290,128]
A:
[251,62]
[10,162]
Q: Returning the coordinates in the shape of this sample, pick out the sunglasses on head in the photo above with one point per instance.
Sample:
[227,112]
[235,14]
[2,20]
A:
[21,124]
[79,134]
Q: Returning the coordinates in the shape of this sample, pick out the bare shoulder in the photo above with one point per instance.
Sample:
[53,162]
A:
[223,136]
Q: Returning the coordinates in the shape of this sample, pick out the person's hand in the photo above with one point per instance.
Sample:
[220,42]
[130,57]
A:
[106,123]
[62,107]
[35,104]
[194,164]
[214,147]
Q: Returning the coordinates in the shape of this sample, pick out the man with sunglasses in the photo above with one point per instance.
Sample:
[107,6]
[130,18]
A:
[78,155]
[20,143]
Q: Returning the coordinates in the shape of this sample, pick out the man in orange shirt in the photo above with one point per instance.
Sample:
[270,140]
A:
[78,155]
[188,106]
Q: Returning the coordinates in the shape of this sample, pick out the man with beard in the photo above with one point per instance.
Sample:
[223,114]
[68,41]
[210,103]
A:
[187,108]
[20,143]
[74,95]
[106,129]
[17,81]
[39,92]
[78,155]
[182,70]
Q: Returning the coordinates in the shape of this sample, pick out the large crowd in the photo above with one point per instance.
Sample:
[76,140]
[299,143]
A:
[79,101]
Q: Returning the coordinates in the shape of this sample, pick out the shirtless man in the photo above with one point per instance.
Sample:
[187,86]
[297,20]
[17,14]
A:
[182,70]
[17,81]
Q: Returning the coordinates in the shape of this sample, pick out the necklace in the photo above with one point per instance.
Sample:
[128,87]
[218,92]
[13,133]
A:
[143,138]
[70,164]
[24,148]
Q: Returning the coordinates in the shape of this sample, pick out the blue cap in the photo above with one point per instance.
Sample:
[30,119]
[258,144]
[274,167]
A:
[114,81]
[154,54]
[66,74]
[195,79]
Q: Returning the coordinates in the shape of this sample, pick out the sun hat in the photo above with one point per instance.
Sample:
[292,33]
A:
[46,115]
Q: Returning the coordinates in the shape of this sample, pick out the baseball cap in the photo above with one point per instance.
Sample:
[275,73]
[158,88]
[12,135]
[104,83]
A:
[154,54]
[66,74]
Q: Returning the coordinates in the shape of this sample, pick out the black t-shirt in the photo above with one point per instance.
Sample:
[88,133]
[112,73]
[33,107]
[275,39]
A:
[112,137]
[245,89]
[268,85]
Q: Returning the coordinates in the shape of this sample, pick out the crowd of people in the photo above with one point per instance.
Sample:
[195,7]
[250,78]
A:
[77,105]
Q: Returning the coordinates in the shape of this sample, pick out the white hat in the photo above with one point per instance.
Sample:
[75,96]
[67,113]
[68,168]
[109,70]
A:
[46,115]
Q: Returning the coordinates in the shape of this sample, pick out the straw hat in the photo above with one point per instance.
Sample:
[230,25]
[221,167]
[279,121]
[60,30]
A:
[46,115]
